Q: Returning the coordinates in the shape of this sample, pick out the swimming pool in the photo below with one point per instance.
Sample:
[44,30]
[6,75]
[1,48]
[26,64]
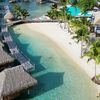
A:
[76,12]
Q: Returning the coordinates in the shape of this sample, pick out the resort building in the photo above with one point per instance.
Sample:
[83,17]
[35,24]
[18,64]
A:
[9,16]
[15,81]
[6,60]
[97,23]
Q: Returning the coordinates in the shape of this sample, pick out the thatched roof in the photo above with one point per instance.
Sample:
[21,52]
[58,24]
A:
[9,15]
[4,56]
[13,80]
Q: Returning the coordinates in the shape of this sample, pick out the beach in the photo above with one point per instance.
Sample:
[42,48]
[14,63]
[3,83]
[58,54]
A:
[51,49]
[64,40]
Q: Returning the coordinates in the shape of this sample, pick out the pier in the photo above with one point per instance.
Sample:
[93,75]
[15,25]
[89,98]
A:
[24,61]
[14,50]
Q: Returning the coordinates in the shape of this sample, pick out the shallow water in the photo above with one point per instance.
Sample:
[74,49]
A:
[58,77]
[34,8]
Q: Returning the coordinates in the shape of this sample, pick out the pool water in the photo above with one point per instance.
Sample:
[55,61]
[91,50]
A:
[58,77]
[75,12]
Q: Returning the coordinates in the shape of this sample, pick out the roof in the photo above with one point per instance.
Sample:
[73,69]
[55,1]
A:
[14,80]
[97,17]
[9,15]
[98,22]
[4,56]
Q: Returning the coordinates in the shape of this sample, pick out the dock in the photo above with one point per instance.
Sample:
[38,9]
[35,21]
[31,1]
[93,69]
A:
[15,50]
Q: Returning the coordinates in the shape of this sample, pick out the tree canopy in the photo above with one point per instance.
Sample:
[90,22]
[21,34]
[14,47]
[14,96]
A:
[85,5]
[19,12]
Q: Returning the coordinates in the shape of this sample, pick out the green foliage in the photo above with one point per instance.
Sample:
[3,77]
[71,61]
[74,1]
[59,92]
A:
[74,2]
[84,21]
[19,12]
[54,6]
[85,5]
[76,23]
[82,34]
[94,53]
[63,2]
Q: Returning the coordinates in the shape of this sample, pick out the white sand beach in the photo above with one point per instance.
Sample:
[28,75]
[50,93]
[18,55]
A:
[64,40]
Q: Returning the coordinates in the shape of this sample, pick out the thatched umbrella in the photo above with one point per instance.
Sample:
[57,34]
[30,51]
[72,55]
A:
[8,16]
[13,81]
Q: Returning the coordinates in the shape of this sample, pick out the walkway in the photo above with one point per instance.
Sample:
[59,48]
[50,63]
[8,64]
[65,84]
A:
[29,21]
[24,61]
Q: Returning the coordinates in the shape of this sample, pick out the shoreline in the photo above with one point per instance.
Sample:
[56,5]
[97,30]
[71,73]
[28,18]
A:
[65,42]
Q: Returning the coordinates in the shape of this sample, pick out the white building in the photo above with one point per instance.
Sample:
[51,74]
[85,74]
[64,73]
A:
[97,22]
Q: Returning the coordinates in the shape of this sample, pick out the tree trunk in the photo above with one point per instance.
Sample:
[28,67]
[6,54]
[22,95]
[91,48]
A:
[81,48]
[95,73]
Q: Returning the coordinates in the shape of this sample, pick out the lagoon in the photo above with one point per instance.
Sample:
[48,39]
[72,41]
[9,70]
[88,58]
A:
[58,76]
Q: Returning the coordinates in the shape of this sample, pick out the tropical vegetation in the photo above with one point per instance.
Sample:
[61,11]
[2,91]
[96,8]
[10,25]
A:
[94,54]
[19,12]
[81,26]
[85,5]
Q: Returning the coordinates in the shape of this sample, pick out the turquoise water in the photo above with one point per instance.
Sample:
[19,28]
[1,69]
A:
[35,9]
[58,77]
[75,11]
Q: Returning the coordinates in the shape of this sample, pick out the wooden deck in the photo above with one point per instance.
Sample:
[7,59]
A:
[15,51]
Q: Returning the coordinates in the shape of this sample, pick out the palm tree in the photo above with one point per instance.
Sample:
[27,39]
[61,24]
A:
[83,36]
[53,13]
[19,12]
[94,54]
[63,3]
[85,5]
[74,4]
[24,13]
